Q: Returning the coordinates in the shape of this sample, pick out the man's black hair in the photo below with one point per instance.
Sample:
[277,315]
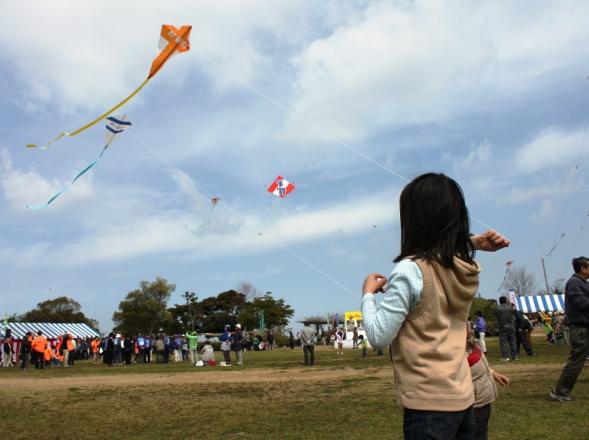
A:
[502,300]
[434,221]
[579,263]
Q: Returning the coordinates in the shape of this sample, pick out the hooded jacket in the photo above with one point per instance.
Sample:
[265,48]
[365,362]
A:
[429,352]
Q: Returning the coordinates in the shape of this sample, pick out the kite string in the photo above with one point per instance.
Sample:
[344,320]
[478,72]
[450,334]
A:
[572,182]
[313,127]
[246,221]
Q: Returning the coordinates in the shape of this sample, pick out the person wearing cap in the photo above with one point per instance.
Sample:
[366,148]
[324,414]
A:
[237,343]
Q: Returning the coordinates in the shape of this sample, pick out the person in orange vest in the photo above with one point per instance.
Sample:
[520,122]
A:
[95,345]
[71,348]
[39,345]
[47,355]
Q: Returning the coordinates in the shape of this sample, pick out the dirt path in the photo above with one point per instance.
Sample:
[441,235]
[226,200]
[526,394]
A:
[217,377]
[261,375]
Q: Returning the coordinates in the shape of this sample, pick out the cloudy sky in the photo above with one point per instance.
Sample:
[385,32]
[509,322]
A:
[345,99]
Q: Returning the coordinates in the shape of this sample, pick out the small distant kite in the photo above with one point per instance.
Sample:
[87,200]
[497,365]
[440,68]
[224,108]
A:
[114,126]
[172,41]
[281,187]
[214,201]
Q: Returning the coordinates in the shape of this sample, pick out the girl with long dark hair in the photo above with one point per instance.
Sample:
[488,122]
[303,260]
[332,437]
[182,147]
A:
[425,308]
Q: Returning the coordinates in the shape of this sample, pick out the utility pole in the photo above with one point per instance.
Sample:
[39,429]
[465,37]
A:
[545,277]
[544,268]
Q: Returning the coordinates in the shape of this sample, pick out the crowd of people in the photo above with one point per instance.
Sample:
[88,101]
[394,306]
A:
[37,351]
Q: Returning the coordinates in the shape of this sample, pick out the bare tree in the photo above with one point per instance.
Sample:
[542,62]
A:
[556,287]
[521,280]
[248,289]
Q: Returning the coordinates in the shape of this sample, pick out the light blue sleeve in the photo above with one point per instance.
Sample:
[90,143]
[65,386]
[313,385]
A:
[382,322]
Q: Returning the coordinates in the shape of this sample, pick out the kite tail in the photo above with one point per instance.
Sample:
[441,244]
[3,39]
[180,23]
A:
[66,188]
[95,121]
[210,213]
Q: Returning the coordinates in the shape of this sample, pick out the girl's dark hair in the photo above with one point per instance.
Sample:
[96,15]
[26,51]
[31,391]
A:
[434,221]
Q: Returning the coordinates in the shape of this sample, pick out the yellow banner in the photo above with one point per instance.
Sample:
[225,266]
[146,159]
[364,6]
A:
[357,315]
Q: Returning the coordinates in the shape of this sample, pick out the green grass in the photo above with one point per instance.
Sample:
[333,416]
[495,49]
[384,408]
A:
[361,406]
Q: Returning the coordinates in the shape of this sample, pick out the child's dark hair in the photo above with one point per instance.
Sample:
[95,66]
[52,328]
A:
[434,221]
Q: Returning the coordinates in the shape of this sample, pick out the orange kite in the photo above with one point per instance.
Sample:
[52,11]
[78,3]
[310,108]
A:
[172,41]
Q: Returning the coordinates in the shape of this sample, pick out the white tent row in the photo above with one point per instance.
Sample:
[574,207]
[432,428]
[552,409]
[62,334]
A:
[540,303]
[50,330]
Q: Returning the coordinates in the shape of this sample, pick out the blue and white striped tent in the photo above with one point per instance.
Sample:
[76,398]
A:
[49,329]
[540,303]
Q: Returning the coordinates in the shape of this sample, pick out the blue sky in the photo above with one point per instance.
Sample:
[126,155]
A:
[493,94]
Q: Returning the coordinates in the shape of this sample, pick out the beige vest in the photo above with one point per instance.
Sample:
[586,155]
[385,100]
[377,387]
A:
[429,352]
[485,390]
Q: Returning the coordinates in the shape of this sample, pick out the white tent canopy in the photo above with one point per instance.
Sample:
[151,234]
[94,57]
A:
[49,329]
[540,303]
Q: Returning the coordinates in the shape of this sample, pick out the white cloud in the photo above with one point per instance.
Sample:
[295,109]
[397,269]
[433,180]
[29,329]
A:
[551,148]
[547,212]
[429,61]
[474,160]
[174,232]
[84,56]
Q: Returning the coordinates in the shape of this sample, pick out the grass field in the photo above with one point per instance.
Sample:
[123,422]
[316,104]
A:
[272,397]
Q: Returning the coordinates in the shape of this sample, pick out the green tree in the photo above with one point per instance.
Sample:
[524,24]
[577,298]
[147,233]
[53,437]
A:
[61,309]
[144,310]
[220,310]
[276,312]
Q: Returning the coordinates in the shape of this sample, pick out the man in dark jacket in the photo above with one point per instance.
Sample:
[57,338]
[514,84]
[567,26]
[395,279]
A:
[237,343]
[25,351]
[522,326]
[576,294]
[506,326]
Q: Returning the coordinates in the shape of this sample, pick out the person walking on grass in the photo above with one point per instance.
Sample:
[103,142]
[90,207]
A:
[355,337]
[308,340]
[39,344]
[339,339]
[506,324]
[425,308]
[226,347]
[480,328]
[237,344]
[522,325]
[576,296]
[192,346]
[25,351]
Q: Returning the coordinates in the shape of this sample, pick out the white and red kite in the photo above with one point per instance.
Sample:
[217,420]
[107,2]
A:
[281,187]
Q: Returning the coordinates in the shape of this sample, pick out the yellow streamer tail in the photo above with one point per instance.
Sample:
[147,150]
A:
[95,121]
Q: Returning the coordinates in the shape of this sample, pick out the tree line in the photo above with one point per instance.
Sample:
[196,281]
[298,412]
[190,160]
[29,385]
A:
[146,310]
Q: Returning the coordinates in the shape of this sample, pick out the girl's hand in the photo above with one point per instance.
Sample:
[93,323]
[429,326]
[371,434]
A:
[373,283]
[489,241]
[501,379]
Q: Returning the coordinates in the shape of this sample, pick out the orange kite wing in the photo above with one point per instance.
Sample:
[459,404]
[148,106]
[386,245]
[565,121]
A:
[177,40]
